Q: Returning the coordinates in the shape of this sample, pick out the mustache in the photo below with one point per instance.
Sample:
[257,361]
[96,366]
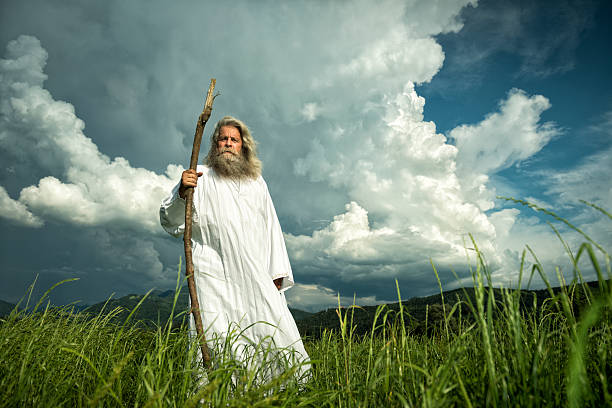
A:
[226,150]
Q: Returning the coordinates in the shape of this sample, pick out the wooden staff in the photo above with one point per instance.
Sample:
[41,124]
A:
[195,305]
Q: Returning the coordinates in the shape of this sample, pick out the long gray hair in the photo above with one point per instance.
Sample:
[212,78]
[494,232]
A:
[252,165]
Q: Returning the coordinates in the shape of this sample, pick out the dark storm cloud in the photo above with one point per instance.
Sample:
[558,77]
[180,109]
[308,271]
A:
[136,79]
[366,189]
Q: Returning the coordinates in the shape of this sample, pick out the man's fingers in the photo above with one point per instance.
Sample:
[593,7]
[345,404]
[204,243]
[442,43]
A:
[192,173]
[190,178]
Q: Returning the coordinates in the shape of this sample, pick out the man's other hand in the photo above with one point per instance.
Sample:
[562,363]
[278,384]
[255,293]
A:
[278,282]
[189,179]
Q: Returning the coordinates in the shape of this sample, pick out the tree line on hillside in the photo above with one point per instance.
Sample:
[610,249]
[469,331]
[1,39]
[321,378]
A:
[425,315]
[422,315]
[149,310]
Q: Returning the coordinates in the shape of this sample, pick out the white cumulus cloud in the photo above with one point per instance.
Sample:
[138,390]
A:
[95,190]
[397,54]
[414,195]
[17,212]
[317,297]
[504,138]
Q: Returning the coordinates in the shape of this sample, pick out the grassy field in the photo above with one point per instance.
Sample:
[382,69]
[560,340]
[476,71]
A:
[498,353]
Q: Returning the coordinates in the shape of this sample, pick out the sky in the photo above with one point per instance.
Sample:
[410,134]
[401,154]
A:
[387,131]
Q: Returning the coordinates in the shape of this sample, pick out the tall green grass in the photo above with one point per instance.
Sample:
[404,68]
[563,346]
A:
[489,350]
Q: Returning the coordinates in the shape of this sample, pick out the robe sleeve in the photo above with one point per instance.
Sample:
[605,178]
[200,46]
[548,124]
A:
[279,260]
[172,213]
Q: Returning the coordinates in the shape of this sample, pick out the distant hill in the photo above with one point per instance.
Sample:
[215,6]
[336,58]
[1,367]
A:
[418,309]
[157,306]
[6,308]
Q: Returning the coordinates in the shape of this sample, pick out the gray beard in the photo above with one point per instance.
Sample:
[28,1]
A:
[233,166]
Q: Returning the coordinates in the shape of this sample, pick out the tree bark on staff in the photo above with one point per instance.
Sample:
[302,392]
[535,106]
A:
[195,305]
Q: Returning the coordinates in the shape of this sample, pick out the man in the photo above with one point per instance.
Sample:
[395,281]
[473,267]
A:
[239,255]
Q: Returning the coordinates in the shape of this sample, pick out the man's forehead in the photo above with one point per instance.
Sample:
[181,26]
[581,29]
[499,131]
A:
[228,129]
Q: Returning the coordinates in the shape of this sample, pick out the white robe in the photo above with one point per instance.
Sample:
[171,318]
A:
[238,250]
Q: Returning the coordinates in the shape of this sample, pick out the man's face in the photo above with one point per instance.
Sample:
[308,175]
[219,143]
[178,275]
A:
[229,143]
